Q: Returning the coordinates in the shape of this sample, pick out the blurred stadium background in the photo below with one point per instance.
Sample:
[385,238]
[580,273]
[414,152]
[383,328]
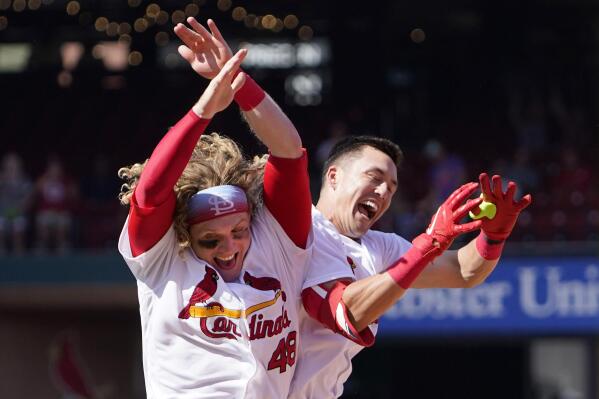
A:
[510,87]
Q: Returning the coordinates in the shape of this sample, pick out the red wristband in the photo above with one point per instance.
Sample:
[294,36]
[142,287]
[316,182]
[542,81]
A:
[487,248]
[250,94]
[410,265]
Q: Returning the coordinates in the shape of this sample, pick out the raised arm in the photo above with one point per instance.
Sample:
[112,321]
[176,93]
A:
[207,51]
[153,201]
[471,264]
[286,182]
[364,301]
[427,264]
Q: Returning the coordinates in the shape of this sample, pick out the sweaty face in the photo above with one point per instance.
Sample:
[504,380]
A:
[223,242]
[363,185]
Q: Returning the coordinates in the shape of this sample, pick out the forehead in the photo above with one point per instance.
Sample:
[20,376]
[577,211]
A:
[220,225]
[369,158]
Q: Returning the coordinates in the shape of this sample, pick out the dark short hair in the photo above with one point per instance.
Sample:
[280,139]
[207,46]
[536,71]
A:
[354,144]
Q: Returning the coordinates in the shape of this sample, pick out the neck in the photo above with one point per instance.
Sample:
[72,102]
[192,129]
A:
[327,206]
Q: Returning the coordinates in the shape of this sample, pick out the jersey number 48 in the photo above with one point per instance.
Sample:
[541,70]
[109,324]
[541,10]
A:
[284,354]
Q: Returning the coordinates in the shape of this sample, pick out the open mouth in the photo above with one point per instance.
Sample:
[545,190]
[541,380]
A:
[368,208]
[226,263]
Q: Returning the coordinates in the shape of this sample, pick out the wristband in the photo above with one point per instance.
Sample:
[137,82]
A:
[487,248]
[411,263]
[250,94]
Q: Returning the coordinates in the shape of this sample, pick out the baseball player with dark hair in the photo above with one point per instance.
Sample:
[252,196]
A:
[359,180]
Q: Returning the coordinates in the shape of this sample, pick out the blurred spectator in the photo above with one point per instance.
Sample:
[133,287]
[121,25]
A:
[15,196]
[55,199]
[102,186]
[572,181]
[529,121]
[337,131]
[521,171]
[447,172]
[572,121]
[410,219]
[100,209]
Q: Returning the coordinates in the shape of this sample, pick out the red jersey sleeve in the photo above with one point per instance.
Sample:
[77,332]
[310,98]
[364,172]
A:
[153,202]
[287,195]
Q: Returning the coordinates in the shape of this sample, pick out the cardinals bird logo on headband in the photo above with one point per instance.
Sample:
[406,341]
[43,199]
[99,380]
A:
[215,201]
[221,205]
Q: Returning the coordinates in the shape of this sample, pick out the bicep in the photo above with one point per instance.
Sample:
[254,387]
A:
[287,196]
[148,225]
[324,303]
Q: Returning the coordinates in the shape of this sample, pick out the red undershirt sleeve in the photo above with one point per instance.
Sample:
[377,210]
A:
[287,195]
[153,201]
[325,304]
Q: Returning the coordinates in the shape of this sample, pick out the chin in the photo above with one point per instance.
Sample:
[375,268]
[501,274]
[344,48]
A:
[359,229]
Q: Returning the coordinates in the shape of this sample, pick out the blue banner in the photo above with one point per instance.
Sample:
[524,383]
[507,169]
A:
[522,296]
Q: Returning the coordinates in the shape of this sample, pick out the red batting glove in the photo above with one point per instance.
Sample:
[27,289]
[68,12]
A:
[444,228]
[489,243]
[500,227]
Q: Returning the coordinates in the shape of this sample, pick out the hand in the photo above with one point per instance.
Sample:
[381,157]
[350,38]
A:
[444,227]
[220,91]
[500,227]
[206,52]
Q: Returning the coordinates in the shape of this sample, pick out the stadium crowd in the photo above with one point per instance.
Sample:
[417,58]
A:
[65,208]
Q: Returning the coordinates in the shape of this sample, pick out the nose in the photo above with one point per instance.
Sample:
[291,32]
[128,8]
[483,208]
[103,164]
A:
[383,190]
[227,245]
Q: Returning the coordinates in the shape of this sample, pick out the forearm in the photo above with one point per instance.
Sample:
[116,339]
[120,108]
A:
[168,160]
[268,121]
[474,269]
[153,202]
[368,299]
[274,129]
[463,268]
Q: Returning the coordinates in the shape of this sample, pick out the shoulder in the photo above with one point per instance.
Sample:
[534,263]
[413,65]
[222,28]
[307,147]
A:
[376,240]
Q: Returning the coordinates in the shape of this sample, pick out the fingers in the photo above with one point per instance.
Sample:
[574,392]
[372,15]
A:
[461,194]
[215,31]
[452,196]
[497,189]
[233,64]
[186,53]
[511,191]
[467,227]
[189,37]
[238,82]
[485,186]
[524,202]
[470,205]
[199,28]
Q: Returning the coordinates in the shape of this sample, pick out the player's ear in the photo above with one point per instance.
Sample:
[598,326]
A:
[333,176]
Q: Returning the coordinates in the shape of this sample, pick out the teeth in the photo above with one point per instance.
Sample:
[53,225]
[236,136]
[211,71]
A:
[371,205]
[227,258]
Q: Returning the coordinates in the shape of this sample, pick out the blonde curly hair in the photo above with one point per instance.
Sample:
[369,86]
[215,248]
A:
[216,160]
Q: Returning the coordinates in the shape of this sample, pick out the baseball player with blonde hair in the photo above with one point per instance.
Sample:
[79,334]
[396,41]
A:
[219,260]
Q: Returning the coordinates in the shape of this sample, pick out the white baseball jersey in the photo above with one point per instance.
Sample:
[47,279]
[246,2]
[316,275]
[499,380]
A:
[324,361]
[234,340]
